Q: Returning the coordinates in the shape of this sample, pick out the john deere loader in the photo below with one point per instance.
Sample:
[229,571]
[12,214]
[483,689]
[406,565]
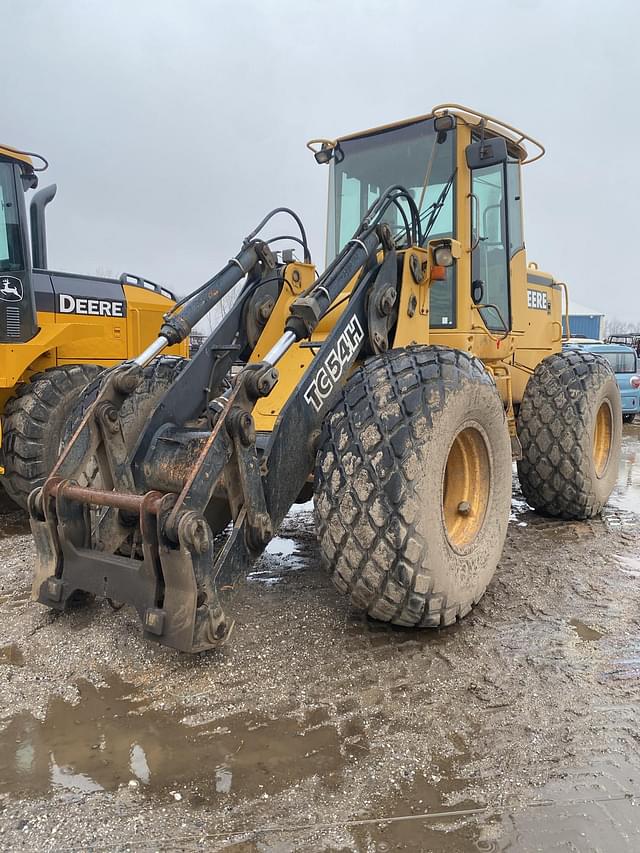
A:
[57,330]
[397,386]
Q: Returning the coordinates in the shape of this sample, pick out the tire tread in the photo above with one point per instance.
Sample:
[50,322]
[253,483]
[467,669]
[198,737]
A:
[366,513]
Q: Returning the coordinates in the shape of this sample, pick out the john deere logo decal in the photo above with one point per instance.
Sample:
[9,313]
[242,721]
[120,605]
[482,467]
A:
[537,299]
[11,289]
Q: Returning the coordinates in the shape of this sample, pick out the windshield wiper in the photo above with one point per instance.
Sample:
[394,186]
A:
[434,209]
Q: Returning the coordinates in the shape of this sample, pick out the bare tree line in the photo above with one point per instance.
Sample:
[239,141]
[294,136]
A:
[621,327]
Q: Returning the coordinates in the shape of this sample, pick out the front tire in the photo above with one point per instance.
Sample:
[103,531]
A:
[137,408]
[413,486]
[33,423]
[570,429]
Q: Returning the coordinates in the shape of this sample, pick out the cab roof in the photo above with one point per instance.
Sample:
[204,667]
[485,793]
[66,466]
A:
[25,158]
[473,118]
[14,154]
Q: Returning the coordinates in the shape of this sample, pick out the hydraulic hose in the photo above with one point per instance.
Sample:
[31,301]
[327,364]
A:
[176,327]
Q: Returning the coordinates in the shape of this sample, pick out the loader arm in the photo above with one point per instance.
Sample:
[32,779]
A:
[165,503]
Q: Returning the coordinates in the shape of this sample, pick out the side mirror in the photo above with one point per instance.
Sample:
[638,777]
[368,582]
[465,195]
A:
[489,152]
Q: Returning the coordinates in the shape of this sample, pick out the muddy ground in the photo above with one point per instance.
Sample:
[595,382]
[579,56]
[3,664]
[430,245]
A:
[316,730]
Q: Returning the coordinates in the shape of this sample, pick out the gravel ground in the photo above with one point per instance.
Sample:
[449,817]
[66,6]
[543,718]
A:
[316,730]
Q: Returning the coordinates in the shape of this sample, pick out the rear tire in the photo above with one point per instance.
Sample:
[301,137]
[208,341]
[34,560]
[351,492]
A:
[570,429]
[413,486]
[628,419]
[33,423]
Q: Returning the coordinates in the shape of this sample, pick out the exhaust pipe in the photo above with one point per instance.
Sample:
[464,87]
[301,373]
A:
[38,226]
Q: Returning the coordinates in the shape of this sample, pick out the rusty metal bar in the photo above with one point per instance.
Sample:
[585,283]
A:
[98,497]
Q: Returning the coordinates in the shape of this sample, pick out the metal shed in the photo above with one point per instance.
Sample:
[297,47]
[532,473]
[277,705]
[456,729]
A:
[584,322]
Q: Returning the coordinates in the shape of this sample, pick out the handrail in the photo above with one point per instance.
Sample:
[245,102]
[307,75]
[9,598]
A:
[498,123]
[514,134]
[26,155]
[567,336]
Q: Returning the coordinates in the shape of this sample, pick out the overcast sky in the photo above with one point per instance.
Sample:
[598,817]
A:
[172,127]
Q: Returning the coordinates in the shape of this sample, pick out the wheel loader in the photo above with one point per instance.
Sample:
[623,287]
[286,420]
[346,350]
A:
[57,330]
[396,387]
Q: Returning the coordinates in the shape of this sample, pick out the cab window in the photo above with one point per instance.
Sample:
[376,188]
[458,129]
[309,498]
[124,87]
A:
[514,207]
[490,259]
[10,238]
[621,362]
[410,155]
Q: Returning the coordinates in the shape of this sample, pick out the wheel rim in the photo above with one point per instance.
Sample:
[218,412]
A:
[602,438]
[465,493]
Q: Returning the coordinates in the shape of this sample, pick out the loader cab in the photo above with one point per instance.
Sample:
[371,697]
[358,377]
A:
[463,170]
[18,322]
[418,157]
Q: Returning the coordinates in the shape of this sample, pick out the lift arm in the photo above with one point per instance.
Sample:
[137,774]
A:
[177,502]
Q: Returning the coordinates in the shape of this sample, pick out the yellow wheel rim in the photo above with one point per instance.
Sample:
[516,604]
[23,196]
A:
[466,486]
[602,438]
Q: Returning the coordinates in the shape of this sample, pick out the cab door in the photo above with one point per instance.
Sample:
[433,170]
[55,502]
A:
[17,304]
[490,255]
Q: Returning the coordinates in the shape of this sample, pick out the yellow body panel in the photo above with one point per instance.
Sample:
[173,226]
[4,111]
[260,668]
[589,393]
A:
[78,339]
[295,361]
[15,154]
[145,310]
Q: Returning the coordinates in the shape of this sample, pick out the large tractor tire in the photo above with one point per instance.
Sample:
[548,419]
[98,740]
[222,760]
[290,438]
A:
[413,486]
[136,410]
[33,423]
[134,413]
[570,429]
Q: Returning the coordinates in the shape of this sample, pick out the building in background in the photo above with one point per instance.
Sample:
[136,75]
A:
[584,322]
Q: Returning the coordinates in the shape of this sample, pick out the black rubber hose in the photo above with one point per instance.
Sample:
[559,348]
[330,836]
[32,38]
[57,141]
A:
[293,215]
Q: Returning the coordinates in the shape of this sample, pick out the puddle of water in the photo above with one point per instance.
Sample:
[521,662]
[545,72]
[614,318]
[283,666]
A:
[110,738]
[584,632]
[272,572]
[626,494]
[11,654]
[427,792]
[520,509]
[281,547]
[297,509]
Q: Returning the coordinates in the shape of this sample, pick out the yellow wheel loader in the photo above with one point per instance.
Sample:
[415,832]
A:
[397,386]
[57,330]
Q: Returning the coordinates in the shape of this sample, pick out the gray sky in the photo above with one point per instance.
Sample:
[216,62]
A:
[172,127]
